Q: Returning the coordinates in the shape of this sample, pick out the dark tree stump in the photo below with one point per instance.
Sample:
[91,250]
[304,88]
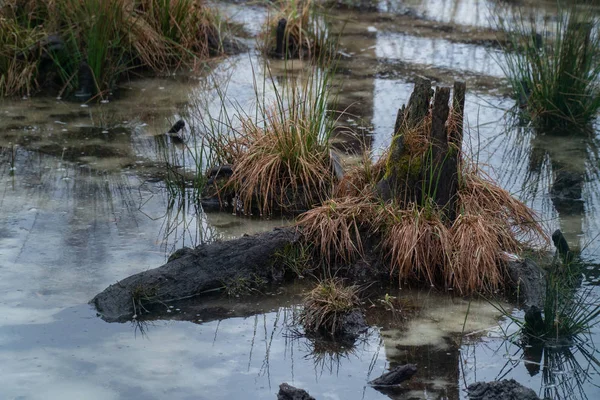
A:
[434,176]
[458,110]
[455,139]
[402,168]
[280,47]
[86,82]
[435,171]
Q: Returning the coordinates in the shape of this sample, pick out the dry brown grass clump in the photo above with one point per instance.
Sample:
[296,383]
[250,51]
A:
[476,263]
[417,244]
[285,165]
[490,222]
[360,180]
[479,195]
[326,304]
[18,67]
[336,228]
[416,139]
[187,25]
[421,244]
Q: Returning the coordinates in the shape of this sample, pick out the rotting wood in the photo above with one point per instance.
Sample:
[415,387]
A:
[435,171]
[208,267]
[435,175]
[400,184]
[455,139]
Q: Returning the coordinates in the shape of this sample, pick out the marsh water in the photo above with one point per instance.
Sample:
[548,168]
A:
[83,203]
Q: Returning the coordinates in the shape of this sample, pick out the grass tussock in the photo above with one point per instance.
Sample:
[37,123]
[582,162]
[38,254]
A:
[417,243]
[305,34]
[554,68]
[48,43]
[360,180]
[285,164]
[18,58]
[326,304]
[280,151]
[476,263]
[479,195]
[568,313]
[337,227]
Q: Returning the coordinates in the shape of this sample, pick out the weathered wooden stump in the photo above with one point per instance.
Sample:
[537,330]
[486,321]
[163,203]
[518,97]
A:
[417,177]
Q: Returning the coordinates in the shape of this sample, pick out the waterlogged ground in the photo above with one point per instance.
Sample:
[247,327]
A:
[83,204]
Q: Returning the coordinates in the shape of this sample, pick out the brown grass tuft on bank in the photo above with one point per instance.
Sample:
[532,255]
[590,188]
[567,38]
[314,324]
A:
[326,304]
[336,228]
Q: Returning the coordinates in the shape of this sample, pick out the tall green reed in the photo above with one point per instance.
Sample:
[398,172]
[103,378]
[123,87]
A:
[554,68]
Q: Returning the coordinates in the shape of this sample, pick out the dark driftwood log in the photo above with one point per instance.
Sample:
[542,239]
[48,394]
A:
[395,376]
[288,392]
[203,269]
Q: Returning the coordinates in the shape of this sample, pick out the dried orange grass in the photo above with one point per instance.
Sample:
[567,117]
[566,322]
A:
[335,227]
[479,195]
[476,263]
[418,244]
[301,30]
[416,139]
[360,180]
[327,303]
[280,167]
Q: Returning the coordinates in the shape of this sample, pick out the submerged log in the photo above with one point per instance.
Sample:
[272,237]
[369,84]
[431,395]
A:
[529,282]
[197,271]
[395,376]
